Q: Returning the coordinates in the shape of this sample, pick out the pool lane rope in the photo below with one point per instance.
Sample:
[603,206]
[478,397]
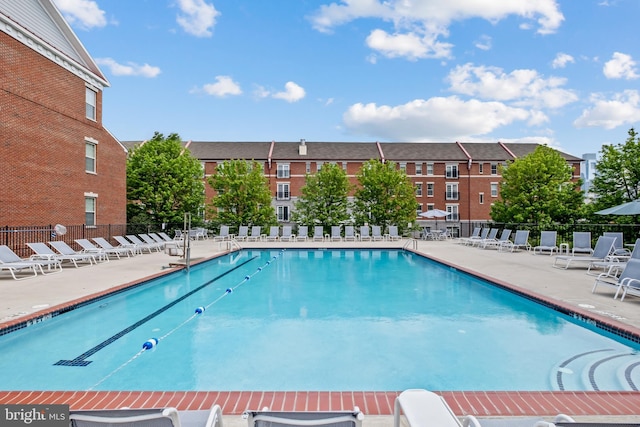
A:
[151,343]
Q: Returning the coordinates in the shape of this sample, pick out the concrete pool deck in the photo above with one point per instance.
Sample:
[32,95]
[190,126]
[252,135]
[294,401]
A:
[534,274]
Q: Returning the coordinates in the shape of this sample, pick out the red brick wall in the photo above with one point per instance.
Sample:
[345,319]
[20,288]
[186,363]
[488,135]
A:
[42,145]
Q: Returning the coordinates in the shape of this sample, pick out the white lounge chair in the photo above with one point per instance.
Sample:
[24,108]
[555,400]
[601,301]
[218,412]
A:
[286,234]
[142,244]
[491,237]
[42,251]
[474,235]
[471,421]
[256,234]
[484,233]
[11,262]
[520,241]
[64,249]
[504,237]
[151,241]
[160,417]
[303,233]
[223,235]
[376,233]
[615,263]
[129,250]
[581,243]
[318,233]
[336,233]
[349,233]
[423,408]
[243,233]
[628,281]
[604,247]
[365,233]
[393,233]
[267,418]
[548,242]
[618,246]
[274,234]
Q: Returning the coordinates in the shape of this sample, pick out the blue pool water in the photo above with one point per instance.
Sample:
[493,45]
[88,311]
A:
[316,320]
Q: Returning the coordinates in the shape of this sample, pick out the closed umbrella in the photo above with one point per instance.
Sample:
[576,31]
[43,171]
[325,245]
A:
[629,208]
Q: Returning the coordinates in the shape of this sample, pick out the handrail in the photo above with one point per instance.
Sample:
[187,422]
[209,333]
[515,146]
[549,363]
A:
[411,242]
[233,242]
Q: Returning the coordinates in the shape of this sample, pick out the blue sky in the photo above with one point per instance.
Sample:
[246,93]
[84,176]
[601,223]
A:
[563,73]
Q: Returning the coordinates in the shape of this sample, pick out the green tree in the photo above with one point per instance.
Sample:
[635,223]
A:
[324,198]
[385,196]
[617,177]
[164,181]
[538,188]
[242,195]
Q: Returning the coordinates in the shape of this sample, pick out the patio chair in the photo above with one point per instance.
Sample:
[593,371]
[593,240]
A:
[99,252]
[223,235]
[474,235]
[267,418]
[393,233]
[64,249]
[376,233]
[42,251]
[161,417]
[520,241]
[143,244]
[151,241]
[286,234]
[336,233]
[419,405]
[256,234]
[318,233]
[548,242]
[628,281]
[365,233]
[11,262]
[618,245]
[581,243]
[303,233]
[615,264]
[604,247]
[471,241]
[274,234]
[349,233]
[504,237]
[168,238]
[129,250]
[243,233]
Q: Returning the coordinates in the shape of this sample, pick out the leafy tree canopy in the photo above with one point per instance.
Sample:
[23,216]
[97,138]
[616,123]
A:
[324,198]
[242,195]
[617,178]
[385,196]
[163,182]
[538,188]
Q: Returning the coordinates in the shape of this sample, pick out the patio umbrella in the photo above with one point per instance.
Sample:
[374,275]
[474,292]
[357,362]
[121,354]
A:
[434,213]
[629,208]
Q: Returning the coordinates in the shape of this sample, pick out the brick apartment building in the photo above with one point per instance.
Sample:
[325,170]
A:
[461,178]
[58,163]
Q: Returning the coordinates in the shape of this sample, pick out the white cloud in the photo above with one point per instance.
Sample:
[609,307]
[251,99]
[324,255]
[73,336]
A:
[522,87]
[292,92]
[561,60]
[435,119]
[418,25]
[484,42]
[621,66]
[197,18]
[86,14]
[623,108]
[130,69]
[223,87]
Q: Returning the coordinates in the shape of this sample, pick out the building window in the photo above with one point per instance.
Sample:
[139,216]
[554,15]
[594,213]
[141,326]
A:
[419,189]
[481,201]
[480,167]
[344,166]
[429,168]
[453,213]
[418,168]
[90,157]
[283,191]
[283,170]
[308,169]
[494,169]
[452,171]
[403,166]
[494,189]
[283,213]
[419,209]
[91,98]
[90,211]
[430,189]
[430,206]
[452,192]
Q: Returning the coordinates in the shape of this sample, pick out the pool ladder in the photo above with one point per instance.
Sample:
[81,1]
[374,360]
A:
[411,242]
[233,243]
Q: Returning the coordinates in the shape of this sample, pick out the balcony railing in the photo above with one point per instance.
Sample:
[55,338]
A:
[283,195]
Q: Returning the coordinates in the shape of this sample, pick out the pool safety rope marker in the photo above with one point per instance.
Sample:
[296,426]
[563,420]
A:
[151,343]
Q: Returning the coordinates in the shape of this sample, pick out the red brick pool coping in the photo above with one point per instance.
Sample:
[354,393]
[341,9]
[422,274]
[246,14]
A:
[478,403]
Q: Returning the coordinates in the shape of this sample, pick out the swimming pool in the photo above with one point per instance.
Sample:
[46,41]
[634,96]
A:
[316,320]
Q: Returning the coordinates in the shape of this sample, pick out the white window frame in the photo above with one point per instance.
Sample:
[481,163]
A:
[403,166]
[283,191]
[453,210]
[91,103]
[481,198]
[430,206]
[481,168]
[494,169]
[451,171]
[419,209]
[494,189]
[418,189]
[90,159]
[431,189]
[90,209]
[452,191]
[308,168]
[429,168]
[283,170]
[419,168]
[283,213]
